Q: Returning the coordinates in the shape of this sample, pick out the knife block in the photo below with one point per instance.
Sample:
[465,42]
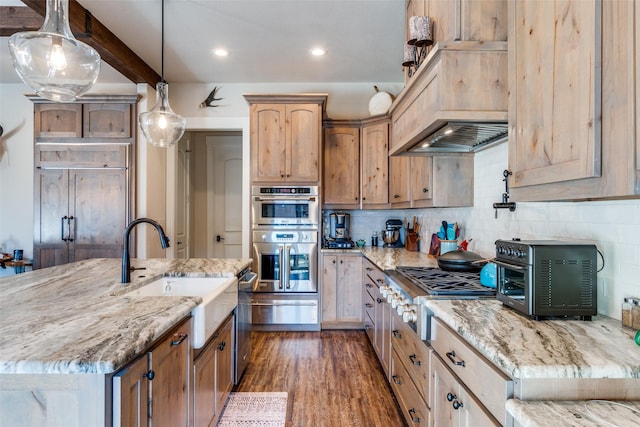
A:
[412,241]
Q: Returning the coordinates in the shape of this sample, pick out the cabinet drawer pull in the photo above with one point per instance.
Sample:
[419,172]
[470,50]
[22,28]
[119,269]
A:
[379,280]
[451,396]
[368,305]
[396,379]
[368,285]
[150,375]
[181,337]
[452,356]
[222,346]
[457,405]
[414,361]
[379,301]
[368,268]
[396,334]
[412,414]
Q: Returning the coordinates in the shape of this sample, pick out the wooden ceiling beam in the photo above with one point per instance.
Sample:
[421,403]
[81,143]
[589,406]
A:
[89,30]
[16,19]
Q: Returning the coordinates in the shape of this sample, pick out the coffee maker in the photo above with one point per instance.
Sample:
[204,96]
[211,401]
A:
[339,231]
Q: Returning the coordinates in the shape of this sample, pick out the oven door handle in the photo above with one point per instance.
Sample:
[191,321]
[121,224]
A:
[288,277]
[284,198]
[510,266]
[283,267]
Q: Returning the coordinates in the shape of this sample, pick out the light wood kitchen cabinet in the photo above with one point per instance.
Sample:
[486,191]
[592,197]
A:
[356,163]
[379,314]
[154,389]
[399,181]
[79,214]
[452,404]
[431,181]
[572,115]
[83,181]
[341,291]
[213,375]
[341,179]
[286,135]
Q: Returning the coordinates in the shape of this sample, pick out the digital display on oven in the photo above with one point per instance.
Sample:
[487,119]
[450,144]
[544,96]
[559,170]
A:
[285,210]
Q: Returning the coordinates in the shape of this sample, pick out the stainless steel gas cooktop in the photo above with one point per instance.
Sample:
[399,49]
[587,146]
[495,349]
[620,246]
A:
[437,282]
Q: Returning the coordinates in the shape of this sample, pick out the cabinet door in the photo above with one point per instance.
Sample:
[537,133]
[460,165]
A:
[349,289]
[268,142]
[329,288]
[204,387]
[399,183]
[51,209]
[382,332]
[57,120]
[303,143]
[555,122]
[224,363]
[341,167]
[484,20]
[421,181]
[97,208]
[375,165]
[170,364]
[131,394]
[107,120]
[445,389]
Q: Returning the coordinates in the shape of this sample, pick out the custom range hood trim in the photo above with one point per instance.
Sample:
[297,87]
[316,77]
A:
[462,84]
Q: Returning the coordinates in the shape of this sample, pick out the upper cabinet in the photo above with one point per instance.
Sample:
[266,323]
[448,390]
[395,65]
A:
[572,115]
[285,134]
[356,163]
[463,78]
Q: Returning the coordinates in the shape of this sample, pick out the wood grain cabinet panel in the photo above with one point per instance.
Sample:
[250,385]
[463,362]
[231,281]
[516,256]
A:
[572,115]
[374,159]
[107,120]
[286,135]
[342,291]
[57,120]
[341,177]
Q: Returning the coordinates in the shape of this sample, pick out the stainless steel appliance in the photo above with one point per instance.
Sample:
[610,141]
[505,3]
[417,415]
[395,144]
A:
[285,296]
[286,260]
[547,278]
[340,223]
[391,234]
[246,281]
[285,206]
[407,288]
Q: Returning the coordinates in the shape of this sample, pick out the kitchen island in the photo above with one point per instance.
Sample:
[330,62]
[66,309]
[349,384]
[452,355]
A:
[71,327]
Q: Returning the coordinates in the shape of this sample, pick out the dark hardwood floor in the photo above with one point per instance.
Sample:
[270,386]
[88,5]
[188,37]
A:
[333,378]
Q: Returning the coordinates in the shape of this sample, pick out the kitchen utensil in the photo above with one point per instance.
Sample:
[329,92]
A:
[461,261]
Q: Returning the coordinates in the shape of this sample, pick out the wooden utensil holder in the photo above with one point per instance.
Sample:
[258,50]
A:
[412,242]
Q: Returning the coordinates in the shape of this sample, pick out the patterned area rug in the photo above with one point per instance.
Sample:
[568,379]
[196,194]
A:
[255,410]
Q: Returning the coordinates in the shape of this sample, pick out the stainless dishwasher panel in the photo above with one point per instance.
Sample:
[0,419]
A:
[278,312]
[243,323]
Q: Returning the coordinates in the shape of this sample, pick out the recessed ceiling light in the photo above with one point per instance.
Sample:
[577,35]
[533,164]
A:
[318,51]
[220,52]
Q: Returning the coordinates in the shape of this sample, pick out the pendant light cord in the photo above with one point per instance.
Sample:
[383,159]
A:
[162,47]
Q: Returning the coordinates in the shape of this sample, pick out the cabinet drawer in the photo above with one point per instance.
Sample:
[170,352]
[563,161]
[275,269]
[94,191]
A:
[414,353]
[369,305]
[414,408]
[369,327]
[374,274]
[489,385]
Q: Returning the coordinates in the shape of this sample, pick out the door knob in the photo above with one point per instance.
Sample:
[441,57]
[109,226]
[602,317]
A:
[219,238]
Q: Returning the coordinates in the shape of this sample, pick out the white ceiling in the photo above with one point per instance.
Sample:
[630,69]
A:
[268,40]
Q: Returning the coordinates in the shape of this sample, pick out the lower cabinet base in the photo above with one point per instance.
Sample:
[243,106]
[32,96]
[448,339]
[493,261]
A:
[415,410]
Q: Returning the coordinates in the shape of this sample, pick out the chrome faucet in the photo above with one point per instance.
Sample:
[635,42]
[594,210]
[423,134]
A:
[126,262]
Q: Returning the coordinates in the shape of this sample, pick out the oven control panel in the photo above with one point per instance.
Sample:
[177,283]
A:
[285,236]
[513,250]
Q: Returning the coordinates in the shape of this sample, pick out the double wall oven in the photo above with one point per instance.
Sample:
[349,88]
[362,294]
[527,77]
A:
[285,221]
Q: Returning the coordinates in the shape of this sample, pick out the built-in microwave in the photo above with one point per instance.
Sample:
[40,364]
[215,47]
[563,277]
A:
[285,206]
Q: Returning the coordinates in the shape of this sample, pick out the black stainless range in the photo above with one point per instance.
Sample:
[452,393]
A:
[407,288]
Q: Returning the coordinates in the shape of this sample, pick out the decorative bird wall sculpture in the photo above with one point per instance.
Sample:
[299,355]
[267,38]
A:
[209,102]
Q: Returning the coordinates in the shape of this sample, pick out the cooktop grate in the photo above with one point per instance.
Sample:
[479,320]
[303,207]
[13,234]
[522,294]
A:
[435,281]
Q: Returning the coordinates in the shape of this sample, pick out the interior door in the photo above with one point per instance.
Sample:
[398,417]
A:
[225,201]
[183,194]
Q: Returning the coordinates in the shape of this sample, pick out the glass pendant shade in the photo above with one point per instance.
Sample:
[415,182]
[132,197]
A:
[161,126]
[51,61]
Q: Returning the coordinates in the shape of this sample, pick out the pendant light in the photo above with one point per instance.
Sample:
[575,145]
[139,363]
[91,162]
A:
[161,126]
[51,61]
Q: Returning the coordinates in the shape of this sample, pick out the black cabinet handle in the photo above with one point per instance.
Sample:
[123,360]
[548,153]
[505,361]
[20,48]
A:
[396,196]
[181,337]
[451,356]
[413,358]
[451,396]
[379,301]
[412,414]
[149,375]
[69,236]
[396,333]
[222,346]
[457,405]
[424,190]
[396,379]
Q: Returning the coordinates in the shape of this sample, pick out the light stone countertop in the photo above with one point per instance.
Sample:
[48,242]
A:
[77,318]
[390,258]
[526,348]
[593,413]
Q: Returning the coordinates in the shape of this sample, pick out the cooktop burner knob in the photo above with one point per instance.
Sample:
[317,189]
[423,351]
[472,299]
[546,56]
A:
[391,295]
[401,309]
[410,315]
[384,290]
[396,301]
